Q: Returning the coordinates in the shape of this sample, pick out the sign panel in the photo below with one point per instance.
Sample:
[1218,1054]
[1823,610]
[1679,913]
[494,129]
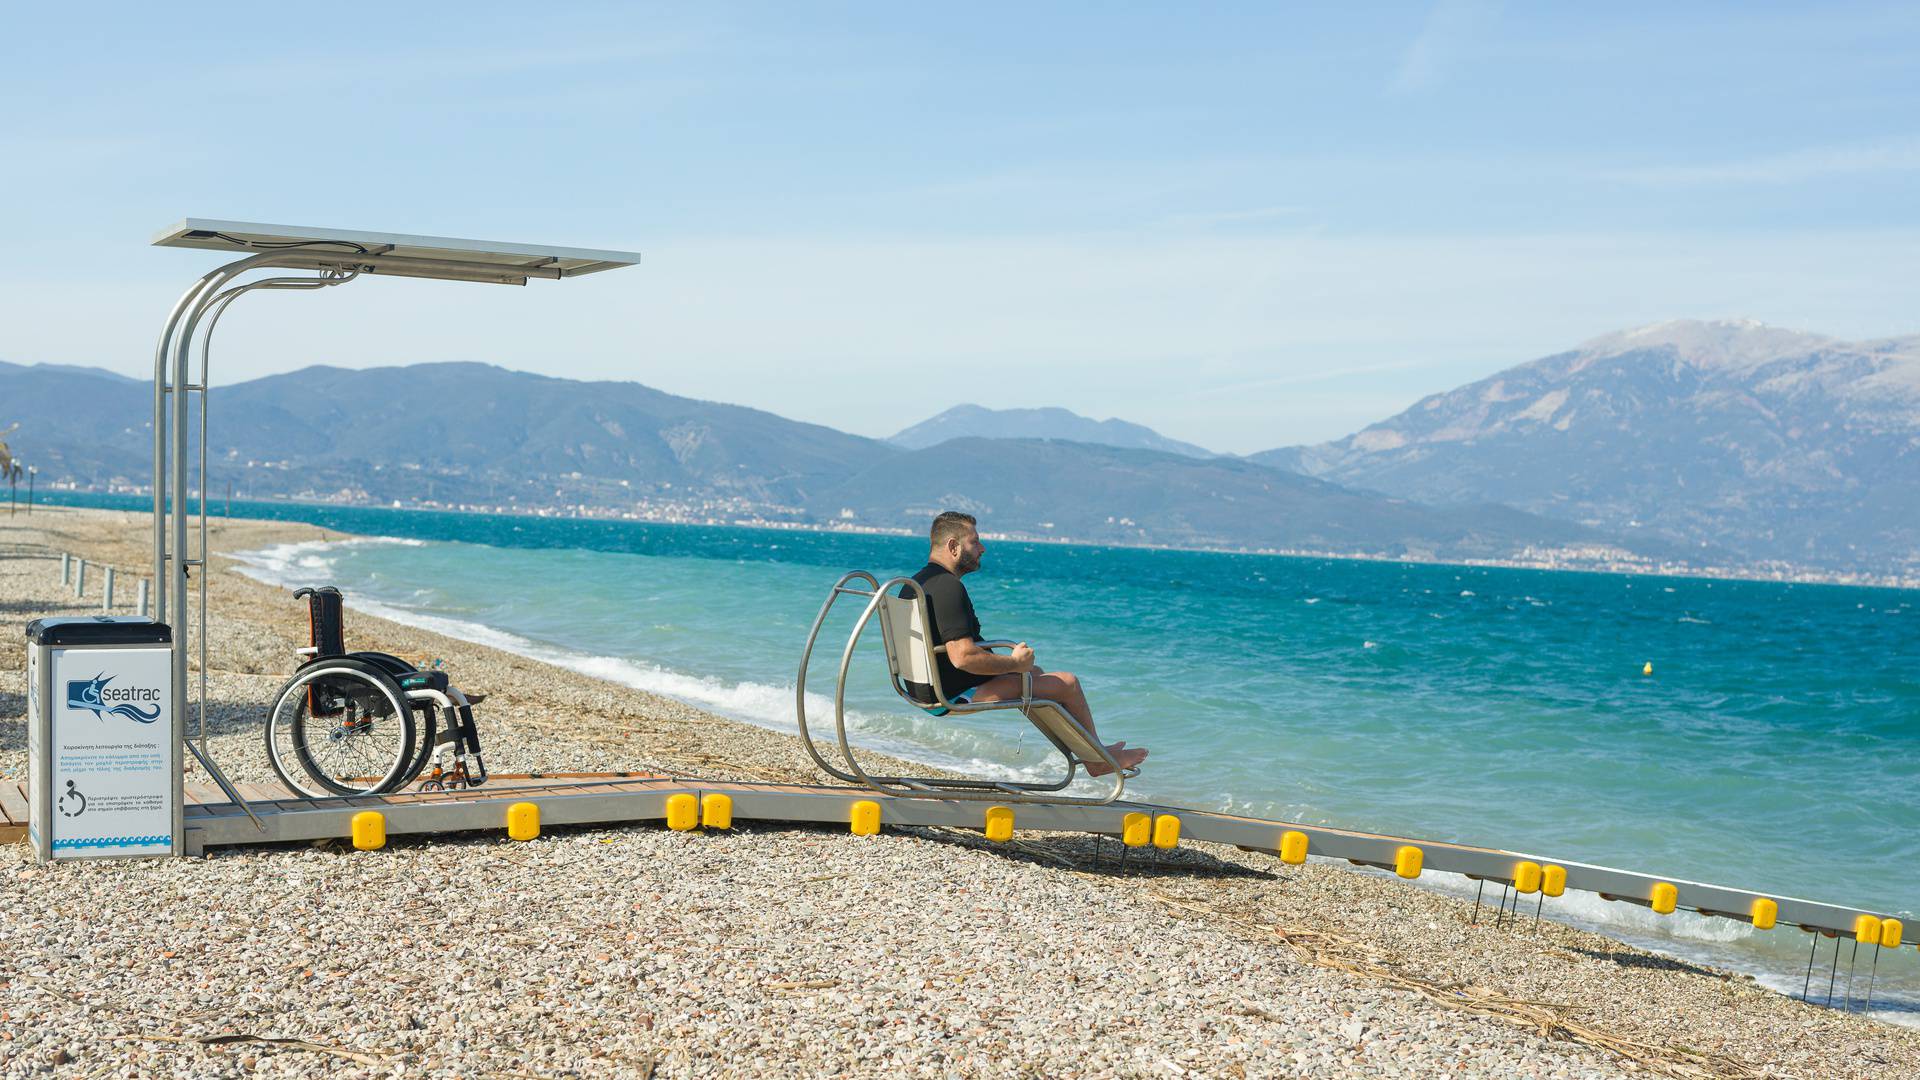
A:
[114,754]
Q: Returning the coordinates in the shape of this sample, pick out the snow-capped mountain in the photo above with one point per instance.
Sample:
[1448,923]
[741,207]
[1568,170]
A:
[1772,443]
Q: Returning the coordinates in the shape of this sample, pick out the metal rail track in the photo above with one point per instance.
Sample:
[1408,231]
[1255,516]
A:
[593,799]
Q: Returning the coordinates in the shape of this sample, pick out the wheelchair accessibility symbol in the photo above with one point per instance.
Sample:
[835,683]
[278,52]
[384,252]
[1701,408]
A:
[72,803]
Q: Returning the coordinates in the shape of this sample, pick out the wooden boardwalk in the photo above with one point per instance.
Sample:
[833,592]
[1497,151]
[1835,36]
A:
[13,811]
[208,801]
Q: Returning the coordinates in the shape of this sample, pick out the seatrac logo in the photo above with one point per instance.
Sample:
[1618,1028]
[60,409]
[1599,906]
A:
[97,697]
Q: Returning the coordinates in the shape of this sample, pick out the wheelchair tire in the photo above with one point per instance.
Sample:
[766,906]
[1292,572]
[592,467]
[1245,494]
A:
[355,734]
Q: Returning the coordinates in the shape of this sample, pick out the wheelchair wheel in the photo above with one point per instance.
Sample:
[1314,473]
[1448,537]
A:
[342,726]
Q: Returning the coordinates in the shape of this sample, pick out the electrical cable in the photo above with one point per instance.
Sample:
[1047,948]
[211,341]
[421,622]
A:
[266,245]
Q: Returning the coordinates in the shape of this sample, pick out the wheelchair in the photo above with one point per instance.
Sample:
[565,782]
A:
[367,723]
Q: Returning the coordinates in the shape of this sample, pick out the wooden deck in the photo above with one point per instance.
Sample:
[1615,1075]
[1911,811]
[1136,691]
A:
[13,811]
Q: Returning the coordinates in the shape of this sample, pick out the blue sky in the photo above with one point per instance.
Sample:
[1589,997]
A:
[1246,225]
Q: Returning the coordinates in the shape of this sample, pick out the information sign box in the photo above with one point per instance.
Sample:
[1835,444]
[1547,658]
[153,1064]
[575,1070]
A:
[103,743]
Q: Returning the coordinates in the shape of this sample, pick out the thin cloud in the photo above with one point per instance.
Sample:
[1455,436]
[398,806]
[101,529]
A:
[1263,215]
[1450,29]
[1307,378]
[1793,167]
[71,150]
[457,63]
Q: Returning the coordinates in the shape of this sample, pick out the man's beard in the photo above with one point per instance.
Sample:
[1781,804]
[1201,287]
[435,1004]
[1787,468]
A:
[969,562]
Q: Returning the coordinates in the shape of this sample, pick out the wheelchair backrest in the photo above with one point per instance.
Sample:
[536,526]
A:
[326,622]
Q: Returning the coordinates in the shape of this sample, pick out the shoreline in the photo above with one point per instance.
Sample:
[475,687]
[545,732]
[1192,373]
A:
[1368,944]
[1835,579]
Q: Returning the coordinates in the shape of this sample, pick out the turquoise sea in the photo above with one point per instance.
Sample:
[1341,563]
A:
[1776,746]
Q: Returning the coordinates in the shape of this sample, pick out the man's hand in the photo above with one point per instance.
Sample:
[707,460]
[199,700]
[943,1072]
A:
[1023,656]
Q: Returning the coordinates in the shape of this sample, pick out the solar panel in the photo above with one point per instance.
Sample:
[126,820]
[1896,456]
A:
[442,257]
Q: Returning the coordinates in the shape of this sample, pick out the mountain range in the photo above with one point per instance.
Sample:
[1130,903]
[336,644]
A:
[1717,443]
[473,435]
[1774,445]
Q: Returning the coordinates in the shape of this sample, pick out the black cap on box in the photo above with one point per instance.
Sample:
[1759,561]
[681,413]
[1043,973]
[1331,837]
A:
[99,630]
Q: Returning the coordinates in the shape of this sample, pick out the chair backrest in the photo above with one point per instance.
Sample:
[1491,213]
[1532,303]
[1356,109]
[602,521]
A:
[903,625]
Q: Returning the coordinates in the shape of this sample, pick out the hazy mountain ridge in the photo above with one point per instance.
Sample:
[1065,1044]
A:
[978,421]
[1777,445]
[472,434]
[485,422]
[1130,496]
[447,432]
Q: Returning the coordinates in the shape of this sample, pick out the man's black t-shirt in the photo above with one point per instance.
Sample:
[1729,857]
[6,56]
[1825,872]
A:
[950,617]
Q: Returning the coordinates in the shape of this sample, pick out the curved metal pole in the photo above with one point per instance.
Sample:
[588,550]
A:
[171,349]
[840,685]
[175,461]
[194,296]
[169,568]
[806,657]
[170,471]
[161,353]
[215,309]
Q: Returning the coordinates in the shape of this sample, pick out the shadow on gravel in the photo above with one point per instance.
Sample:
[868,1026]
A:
[36,607]
[1087,854]
[13,736]
[226,717]
[1651,963]
[1095,854]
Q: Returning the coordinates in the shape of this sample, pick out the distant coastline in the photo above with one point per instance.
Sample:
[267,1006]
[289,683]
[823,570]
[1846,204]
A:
[1584,559]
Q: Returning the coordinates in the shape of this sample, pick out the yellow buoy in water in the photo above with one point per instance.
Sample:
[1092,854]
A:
[1647,670]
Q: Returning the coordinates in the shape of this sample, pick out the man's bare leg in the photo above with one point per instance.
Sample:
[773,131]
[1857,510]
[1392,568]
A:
[1063,687]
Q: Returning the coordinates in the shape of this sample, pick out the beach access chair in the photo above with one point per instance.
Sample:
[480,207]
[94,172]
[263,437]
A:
[900,607]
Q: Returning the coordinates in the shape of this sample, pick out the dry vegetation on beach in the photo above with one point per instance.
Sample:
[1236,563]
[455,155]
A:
[774,950]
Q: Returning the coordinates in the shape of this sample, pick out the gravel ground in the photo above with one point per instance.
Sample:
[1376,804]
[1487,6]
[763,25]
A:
[778,950]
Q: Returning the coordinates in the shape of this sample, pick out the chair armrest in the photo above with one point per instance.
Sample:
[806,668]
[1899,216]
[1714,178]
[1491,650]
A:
[988,645]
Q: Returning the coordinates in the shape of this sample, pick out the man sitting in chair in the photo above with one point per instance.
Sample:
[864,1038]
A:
[971,673]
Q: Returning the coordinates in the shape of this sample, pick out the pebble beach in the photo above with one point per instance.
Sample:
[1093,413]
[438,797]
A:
[771,949]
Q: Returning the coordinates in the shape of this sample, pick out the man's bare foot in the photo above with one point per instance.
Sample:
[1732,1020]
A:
[1127,757]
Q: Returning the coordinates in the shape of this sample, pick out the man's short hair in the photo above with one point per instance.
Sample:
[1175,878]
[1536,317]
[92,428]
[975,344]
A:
[951,525]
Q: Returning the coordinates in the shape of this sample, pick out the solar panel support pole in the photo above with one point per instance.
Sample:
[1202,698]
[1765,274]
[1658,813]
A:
[170,562]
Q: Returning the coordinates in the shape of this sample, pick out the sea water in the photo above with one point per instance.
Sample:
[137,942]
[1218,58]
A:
[1775,746]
